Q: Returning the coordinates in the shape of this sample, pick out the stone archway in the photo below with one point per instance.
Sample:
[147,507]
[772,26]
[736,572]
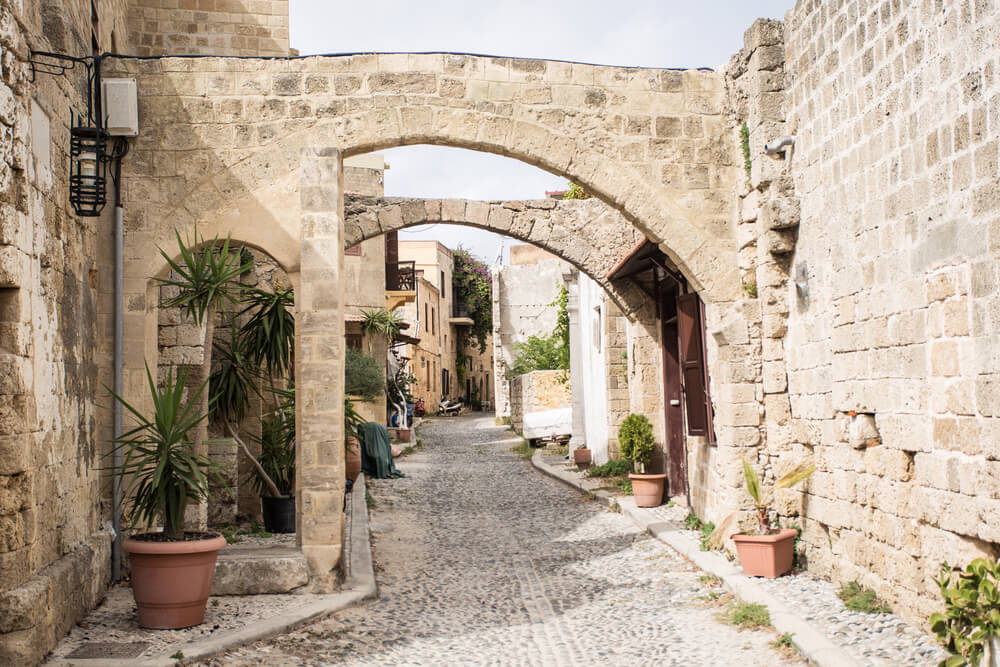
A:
[227,146]
[586,233]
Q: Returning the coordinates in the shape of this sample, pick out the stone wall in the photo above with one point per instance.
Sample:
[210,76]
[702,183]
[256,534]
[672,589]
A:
[216,27]
[540,404]
[54,269]
[892,338]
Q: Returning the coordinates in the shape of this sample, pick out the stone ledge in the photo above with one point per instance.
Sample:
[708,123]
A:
[259,570]
[34,616]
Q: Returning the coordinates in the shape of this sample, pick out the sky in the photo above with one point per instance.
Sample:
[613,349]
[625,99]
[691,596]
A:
[647,33]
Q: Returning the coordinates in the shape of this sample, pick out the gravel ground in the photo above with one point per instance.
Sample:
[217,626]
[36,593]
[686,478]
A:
[483,561]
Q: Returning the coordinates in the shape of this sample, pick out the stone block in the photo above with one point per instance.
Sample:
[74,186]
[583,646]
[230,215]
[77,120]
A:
[259,572]
[780,213]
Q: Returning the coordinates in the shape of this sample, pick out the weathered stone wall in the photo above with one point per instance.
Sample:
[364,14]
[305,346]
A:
[215,27]
[54,555]
[892,336]
[540,401]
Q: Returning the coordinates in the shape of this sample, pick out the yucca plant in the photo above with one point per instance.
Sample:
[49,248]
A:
[762,498]
[160,471]
[205,275]
[276,471]
[268,335]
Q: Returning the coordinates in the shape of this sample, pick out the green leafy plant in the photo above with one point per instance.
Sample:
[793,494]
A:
[277,454]
[750,288]
[538,353]
[268,336]
[363,376]
[613,468]
[706,530]
[473,286]
[784,642]
[745,144]
[574,191]
[635,440]
[625,486]
[561,331]
[160,471]
[858,598]
[381,322]
[971,610]
[692,522]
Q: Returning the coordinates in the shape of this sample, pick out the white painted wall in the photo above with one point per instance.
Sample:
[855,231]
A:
[592,352]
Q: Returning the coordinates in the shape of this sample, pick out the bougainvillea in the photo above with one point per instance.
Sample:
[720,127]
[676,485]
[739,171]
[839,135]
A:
[474,288]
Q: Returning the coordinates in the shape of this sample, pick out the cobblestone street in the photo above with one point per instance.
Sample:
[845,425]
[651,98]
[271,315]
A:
[482,560]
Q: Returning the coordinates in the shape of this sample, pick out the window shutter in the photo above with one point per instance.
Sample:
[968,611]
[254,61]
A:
[690,325]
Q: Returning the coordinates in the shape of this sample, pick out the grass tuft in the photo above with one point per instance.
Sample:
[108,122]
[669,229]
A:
[613,468]
[747,615]
[858,598]
[524,450]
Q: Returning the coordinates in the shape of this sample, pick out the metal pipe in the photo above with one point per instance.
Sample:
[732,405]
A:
[116,553]
[773,147]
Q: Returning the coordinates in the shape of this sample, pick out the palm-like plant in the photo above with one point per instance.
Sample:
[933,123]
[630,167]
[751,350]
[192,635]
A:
[269,334]
[761,498]
[205,275]
[162,470]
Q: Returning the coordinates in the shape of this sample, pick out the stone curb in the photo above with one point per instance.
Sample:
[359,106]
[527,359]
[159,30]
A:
[810,641]
[359,585]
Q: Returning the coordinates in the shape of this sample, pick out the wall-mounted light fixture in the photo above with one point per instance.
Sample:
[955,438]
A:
[88,163]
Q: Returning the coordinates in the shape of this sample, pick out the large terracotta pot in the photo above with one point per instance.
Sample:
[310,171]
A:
[353,458]
[647,489]
[581,457]
[171,581]
[766,555]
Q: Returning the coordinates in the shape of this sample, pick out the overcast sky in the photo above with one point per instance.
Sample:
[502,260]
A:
[649,33]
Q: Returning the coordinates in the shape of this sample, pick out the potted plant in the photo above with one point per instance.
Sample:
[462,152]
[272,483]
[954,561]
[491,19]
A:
[581,456]
[969,627]
[363,381]
[352,446]
[771,551]
[275,477]
[636,443]
[172,570]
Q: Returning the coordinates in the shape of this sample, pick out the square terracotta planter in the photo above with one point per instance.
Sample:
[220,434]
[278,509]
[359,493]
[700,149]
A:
[766,555]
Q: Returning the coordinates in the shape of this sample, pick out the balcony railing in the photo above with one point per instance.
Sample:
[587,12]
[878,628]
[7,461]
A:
[458,308]
[400,276]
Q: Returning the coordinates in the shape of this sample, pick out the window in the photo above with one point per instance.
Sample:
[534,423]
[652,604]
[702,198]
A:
[443,296]
[426,319]
[353,341]
[433,329]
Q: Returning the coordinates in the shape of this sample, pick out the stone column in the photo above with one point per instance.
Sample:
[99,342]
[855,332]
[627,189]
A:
[578,439]
[319,366]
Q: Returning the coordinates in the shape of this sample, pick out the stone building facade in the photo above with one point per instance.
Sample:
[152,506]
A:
[849,281]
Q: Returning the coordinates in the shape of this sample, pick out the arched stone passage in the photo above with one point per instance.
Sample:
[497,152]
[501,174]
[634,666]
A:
[221,137]
[586,233]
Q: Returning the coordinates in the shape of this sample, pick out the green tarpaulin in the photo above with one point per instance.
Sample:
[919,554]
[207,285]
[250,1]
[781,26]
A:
[376,457]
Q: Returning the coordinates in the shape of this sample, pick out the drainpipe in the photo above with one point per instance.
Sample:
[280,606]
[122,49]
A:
[116,546]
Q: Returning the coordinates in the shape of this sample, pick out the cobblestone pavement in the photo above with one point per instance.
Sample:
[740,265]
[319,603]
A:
[481,560]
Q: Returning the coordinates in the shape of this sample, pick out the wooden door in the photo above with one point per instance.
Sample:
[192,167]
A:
[673,418]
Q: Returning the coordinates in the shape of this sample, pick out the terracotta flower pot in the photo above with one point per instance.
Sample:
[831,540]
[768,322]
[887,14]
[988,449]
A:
[647,489]
[766,555]
[171,581]
[353,458]
[403,434]
[581,457]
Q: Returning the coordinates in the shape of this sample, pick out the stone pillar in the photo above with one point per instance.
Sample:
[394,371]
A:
[319,366]
[578,439]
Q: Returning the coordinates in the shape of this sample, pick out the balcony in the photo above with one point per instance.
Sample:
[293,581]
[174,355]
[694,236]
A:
[459,313]
[400,283]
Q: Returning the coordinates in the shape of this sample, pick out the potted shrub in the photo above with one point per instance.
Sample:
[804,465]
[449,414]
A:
[161,474]
[352,446]
[636,443]
[275,476]
[969,627]
[363,380]
[770,551]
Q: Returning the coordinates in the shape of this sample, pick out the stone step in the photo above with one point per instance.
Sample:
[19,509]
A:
[257,570]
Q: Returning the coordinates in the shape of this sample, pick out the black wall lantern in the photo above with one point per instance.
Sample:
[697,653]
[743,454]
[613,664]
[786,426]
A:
[88,161]
[88,140]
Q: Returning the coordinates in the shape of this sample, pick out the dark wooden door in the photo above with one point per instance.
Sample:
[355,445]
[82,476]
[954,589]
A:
[673,418]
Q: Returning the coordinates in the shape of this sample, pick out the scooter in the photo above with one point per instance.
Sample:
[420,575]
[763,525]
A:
[450,408]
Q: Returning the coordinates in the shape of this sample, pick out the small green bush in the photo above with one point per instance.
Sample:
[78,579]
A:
[613,468]
[635,438]
[971,610]
[747,615]
[362,375]
[539,353]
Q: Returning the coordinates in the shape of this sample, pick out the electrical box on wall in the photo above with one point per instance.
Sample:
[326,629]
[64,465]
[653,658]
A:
[121,107]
